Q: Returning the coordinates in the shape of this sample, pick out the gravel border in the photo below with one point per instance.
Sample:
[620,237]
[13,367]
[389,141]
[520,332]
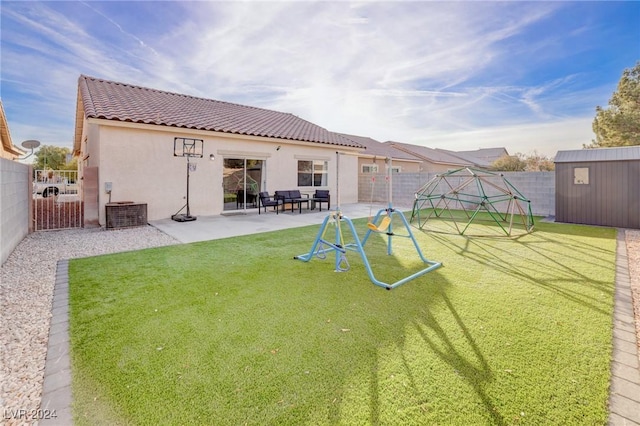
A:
[27,280]
[26,289]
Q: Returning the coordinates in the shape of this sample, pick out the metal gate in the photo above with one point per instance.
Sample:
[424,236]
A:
[56,200]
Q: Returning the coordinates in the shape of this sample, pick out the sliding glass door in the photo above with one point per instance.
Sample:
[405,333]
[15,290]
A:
[242,180]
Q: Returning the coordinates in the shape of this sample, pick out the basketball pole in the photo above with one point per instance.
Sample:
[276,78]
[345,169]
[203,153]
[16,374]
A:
[185,217]
[189,147]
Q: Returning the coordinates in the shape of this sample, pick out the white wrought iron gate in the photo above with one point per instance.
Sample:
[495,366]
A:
[56,200]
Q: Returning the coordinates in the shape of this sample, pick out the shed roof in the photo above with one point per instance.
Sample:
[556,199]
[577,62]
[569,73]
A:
[111,100]
[623,153]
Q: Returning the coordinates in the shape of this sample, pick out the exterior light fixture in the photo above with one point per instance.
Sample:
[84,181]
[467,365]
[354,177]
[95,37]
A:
[212,157]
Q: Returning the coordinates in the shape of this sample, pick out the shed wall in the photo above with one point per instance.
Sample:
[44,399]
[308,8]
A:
[611,198]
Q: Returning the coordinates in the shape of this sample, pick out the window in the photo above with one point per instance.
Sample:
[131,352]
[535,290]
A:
[312,172]
[369,168]
[581,176]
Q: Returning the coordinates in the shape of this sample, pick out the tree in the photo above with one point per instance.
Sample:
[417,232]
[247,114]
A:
[538,163]
[51,157]
[619,124]
[508,163]
[533,162]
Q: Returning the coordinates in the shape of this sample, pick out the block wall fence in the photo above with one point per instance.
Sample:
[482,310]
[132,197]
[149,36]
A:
[15,196]
[538,187]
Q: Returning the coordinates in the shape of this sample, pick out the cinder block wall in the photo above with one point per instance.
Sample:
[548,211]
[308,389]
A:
[538,187]
[14,205]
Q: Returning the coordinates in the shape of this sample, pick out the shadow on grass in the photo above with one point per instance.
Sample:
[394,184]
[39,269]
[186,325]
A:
[552,258]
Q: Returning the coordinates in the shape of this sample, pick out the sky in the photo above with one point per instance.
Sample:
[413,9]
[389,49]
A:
[455,75]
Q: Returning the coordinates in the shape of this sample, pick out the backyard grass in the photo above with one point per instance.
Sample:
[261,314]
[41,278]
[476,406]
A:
[234,331]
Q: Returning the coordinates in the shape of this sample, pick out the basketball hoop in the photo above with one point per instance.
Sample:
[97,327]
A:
[190,148]
[187,147]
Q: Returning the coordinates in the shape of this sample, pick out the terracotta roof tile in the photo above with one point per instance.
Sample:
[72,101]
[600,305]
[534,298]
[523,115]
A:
[124,102]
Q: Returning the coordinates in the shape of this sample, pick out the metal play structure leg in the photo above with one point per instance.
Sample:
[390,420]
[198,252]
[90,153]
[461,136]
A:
[321,246]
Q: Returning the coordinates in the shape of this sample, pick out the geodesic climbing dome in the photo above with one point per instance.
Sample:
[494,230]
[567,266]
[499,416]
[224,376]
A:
[456,200]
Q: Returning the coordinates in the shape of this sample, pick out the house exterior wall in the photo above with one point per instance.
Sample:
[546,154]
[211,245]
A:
[138,160]
[405,166]
[429,167]
[610,198]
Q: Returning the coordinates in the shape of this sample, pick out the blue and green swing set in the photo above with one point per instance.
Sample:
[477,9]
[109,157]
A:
[382,223]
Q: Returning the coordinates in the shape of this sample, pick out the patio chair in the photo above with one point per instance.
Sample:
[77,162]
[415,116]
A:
[322,196]
[267,200]
[251,198]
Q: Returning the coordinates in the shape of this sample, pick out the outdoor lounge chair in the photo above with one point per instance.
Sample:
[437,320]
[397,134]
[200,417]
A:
[267,200]
[322,196]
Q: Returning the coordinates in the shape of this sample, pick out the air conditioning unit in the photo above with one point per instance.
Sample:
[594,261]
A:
[126,214]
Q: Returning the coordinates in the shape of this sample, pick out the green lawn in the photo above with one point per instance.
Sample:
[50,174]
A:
[234,331]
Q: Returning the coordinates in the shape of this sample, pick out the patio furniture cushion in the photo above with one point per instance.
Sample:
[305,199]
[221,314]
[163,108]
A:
[293,197]
[268,201]
[322,196]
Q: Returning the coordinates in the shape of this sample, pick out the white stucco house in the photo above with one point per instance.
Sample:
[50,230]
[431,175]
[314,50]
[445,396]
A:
[124,138]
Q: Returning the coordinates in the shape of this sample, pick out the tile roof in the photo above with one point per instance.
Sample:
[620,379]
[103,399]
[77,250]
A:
[429,154]
[379,149]
[482,157]
[128,103]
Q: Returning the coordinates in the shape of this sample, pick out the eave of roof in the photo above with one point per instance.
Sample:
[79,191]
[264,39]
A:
[115,101]
[5,135]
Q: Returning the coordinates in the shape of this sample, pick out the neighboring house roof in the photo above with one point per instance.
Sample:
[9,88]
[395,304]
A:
[111,100]
[623,153]
[5,136]
[435,156]
[481,157]
[379,149]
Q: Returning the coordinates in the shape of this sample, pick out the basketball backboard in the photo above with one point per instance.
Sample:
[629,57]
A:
[187,147]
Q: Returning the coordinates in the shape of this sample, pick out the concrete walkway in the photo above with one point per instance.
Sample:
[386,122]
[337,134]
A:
[624,400]
[233,224]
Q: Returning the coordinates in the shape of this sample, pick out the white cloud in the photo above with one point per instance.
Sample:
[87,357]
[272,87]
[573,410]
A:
[407,71]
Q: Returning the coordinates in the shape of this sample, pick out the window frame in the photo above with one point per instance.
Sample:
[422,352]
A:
[317,177]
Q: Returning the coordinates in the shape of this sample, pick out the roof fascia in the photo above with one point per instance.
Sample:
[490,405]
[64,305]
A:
[79,125]
[7,143]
